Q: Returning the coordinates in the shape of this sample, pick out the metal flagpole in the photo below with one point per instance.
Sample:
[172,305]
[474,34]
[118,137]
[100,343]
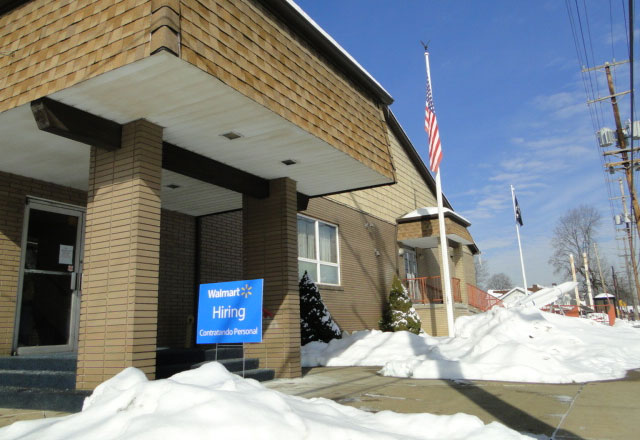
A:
[445,258]
[443,238]
[524,276]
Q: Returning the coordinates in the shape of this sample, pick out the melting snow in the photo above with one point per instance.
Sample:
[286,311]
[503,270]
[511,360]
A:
[210,402]
[517,345]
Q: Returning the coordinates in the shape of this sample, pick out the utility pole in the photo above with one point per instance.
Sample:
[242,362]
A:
[615,290]
[626,164]
[573,273]
[622,144]
[602,283]
[632,256]
[586,273]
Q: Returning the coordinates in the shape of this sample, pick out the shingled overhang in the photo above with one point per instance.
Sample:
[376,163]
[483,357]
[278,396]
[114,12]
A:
[259,71]
[420,228]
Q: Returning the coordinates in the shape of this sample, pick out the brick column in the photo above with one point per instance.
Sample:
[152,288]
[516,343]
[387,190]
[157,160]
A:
[118,311]
[270,251]
[442,323]
[459,271]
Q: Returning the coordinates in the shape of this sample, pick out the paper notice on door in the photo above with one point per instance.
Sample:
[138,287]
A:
[66,254]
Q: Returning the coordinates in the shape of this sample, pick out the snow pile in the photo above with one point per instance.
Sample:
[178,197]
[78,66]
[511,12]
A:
[516,345]
[212,403]
[626,323]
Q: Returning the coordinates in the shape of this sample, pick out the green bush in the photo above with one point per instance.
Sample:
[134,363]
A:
[316,323]
[398,313]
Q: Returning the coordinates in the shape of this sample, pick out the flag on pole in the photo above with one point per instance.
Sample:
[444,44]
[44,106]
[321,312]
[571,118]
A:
[431,127]
[517,210]
[518,215]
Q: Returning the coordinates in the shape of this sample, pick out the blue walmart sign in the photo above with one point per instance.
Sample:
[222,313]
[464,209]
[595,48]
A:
[230,312]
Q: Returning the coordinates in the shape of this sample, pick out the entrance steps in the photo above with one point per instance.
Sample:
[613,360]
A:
[48,382]
[170,361]
[40,382]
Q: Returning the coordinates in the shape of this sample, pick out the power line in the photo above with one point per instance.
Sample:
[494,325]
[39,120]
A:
[631,110]
[613,53]
[626,31]
[585,53]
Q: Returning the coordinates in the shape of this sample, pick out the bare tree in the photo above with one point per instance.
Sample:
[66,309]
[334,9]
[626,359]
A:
[575,233]
[499,281]
[482,271]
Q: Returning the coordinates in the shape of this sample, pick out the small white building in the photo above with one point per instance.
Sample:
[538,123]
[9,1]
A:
[513,296]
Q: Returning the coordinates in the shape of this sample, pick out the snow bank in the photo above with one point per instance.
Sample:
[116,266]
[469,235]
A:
[516,345]
[210,402]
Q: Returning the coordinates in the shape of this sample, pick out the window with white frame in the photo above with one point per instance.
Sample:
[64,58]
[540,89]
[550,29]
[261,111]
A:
[318,250]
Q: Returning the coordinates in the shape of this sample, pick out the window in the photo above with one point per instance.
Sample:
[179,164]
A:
[318,251]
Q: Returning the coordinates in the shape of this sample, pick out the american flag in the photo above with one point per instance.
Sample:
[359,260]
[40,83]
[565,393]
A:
[431,127]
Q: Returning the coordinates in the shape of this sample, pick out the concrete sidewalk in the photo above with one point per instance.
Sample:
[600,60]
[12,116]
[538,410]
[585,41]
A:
[599,410]
[9,416]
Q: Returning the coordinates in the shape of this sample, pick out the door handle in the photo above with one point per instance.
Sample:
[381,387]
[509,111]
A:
[76,281]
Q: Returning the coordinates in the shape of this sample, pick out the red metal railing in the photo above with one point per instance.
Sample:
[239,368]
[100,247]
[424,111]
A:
[605,313]
[428,290]
[480,299]
[567,310]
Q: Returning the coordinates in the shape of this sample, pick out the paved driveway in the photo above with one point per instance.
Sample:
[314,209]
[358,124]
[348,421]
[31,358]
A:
[599,410]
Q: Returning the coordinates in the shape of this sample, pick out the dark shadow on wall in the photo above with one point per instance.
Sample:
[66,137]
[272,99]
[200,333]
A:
[386,256]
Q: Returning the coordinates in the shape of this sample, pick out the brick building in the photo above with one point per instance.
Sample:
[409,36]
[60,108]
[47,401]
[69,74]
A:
[149,146]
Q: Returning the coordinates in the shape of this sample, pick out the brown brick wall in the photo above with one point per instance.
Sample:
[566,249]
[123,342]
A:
[221,247]
[470,268]
[13,192]
[250,50]
[365,276]
[458,270]
[434,318]
[53,44]
[428,262]
[118,310]
[430,228]
[176,285]
[271,252]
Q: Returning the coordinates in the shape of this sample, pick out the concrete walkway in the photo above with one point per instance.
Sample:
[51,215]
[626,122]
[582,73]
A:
[9,416]
[599,410]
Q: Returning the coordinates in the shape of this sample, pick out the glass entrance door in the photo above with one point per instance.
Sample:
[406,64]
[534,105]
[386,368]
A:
[49,278]
[410,263]
[411,271]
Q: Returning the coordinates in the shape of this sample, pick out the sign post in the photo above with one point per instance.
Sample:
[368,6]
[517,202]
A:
[230,312]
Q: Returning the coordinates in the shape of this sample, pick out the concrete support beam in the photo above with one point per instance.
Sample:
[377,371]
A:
[118,312]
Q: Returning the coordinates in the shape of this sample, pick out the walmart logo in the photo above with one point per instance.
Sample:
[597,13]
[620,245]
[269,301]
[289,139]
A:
[246,291]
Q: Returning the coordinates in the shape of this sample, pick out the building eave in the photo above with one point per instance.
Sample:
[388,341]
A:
[306,28]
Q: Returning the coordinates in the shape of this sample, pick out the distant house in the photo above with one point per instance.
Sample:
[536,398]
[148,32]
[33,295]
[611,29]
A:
[512,296]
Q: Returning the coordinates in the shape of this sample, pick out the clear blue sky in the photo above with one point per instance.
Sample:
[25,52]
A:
[510,103]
